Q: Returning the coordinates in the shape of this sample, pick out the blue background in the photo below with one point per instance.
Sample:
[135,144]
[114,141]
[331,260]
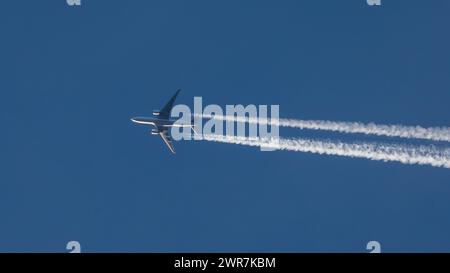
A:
[73,166]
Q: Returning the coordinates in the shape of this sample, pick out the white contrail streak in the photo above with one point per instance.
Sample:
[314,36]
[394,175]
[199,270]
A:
[423,155]
[418,132]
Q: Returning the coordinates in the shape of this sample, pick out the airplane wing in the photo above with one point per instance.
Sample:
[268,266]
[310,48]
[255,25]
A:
[165,111]
[165,136]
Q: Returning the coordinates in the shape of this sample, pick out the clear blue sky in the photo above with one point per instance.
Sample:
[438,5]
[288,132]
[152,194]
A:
[73,166]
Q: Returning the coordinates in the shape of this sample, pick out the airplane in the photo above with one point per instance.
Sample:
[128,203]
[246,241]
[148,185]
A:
[162,122]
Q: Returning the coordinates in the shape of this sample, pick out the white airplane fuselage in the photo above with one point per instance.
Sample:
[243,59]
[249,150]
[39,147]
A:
[158,122]
[162,122]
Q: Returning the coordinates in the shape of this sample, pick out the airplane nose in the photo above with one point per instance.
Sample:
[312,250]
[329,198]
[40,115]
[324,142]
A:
[133,119]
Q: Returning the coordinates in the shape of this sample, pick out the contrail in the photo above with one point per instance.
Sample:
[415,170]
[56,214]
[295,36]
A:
[418,132]
[423,155]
